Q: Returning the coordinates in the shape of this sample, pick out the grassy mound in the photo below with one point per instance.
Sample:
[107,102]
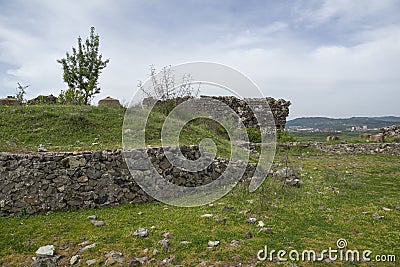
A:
[67,128]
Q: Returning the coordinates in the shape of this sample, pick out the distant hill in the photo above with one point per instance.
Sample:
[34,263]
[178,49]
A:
[343,124]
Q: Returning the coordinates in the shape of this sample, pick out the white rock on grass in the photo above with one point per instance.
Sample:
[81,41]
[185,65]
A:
[46,250]
[213,243]
[97,223]
[88,247]
[91,262]
[74,259]
[266,230]
[251,220]
[141,232]
[207,215]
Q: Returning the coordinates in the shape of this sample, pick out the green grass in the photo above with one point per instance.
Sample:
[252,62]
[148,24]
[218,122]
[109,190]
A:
[58,128]
[69,128]
[329,205]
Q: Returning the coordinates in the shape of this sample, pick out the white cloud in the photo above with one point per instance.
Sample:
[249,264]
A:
[316,53]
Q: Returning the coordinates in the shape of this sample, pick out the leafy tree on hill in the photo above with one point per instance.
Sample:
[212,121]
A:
[82,69]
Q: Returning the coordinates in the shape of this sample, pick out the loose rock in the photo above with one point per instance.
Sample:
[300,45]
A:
[248,235]
[164,244]
[46,250]
[377,216]
[74,259]
[213,244]
[141,232]
[251,220]
[88,247]
[266,230]
[90,262]
[97,223]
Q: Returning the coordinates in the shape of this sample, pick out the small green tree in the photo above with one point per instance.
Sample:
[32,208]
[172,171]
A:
[21,92]
[82,69]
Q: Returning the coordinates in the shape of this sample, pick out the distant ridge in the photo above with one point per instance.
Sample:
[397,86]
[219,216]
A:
[343,124]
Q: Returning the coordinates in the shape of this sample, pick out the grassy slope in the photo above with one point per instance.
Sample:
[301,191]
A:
[329,206]
[60,128]
[314,216]
[66,128]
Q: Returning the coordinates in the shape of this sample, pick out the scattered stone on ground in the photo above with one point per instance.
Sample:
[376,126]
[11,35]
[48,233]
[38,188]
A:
[212,244]
[164,244]
[88,247]
[365,212]
[92,217]
[84,243]
[74,259]
[45,261]
[167,235]
[97,223]
[47,250]
[377,216]
[167,261]
[184,242]
[207,215]
[235,243]
[140,213]
[249,235]
[41,148]
[220,220]
[113,257]
[251,220]
[290,176]
[266,230]
[91,262]
[137,261]
[386,209]
[260,224]
[155,251]
[228,208]
[141,232]
[397,207]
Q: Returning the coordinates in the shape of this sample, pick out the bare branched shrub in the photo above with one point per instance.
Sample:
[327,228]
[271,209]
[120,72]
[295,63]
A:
[165,87]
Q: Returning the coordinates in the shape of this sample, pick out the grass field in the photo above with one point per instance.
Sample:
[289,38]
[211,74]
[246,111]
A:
[336,192]
[341,196]
[75,128]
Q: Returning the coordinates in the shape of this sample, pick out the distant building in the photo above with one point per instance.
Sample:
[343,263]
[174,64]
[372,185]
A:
[9,101]
[365,127]
[109,102]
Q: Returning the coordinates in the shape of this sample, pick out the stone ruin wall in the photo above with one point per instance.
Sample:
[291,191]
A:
[391,131]
[39,182]
[279,108]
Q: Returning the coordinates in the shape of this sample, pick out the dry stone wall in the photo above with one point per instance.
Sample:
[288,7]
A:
[391,131]
[36,182]
[350,148]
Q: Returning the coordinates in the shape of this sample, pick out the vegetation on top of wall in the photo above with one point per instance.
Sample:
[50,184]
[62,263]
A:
[69,128]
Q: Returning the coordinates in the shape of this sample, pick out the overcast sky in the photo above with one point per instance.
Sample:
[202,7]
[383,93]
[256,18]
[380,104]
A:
[337,58]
